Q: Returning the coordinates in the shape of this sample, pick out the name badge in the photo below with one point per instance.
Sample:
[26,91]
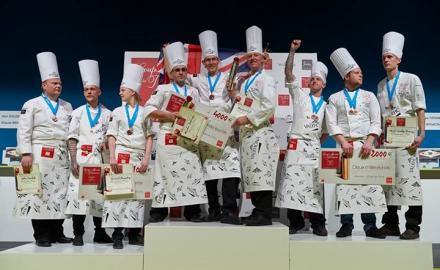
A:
[170,139]
[47,152]
[292,144]
[86,149]
[123,158]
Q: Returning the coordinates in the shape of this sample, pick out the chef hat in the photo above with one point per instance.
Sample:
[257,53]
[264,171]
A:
[175,54]
[320,70]
[343,61]
[47,63]
[133,75]
[254,40]
[89,70]
[208,42]
[393,43]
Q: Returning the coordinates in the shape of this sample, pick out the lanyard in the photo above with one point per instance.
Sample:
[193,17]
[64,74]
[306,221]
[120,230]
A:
[93,121]
[211,86]
[393,89]
[177,89]
[133,118]
[316,107]
[51,107]
[249,82]
[351,102]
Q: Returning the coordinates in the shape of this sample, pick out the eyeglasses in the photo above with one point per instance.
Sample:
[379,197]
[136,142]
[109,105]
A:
[180,69]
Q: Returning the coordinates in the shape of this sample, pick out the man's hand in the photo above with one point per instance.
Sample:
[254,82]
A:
[143,166]
[240,121]
[74,167]
[347,149]
[294,46]
[169,116]
[415,144]
[26,163]
[366,149]
[114,165]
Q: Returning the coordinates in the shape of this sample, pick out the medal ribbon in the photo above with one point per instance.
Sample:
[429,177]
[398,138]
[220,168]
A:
[351,102]
[51,107]
[134,117]
[93,121]
[316,107]
[177,89]
[250,81]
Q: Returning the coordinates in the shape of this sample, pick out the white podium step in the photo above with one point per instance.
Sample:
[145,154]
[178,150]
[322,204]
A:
[310,252]
[68,257]
[215,246]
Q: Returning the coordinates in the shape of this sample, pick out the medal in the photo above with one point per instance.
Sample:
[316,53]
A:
[315,117]
[130,131]
[131,120]
[93,121]
[55,119]
[352,101]
[212,86]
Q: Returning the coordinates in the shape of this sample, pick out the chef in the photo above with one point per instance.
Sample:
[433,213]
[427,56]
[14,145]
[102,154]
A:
[178,171]
[217,164]
[42,135]
[353,119]
[87,138]
[401,94]
[130,142]
[259,149]
[300,189]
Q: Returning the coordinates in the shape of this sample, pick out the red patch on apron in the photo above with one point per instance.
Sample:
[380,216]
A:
[47,152]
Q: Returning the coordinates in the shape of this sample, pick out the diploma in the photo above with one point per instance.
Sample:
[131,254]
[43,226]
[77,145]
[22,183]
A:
[379,168]
[143,183]
[175,102]
[28,183]
[218,129]
[119,185]
[400,131]
[190,124]
[90,179]
[242,107]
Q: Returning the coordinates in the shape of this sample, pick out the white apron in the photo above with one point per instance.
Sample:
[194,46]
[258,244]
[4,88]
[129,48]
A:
[409,96]
[178,171]
[45,138]
[352,199]
[88,138]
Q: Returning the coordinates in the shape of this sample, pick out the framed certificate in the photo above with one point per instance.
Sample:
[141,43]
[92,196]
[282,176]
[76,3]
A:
[175,102]
[28,183]
[400,131]
[191,124]
[218,129]
[90,181]
[378,169]
[119,185]
[143,183]
[242,107]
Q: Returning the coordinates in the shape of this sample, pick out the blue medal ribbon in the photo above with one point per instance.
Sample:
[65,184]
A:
[51,107]
[316,107]
[250,81]
[177,89]
[211,86]
[134,117]
[351,102]
[393,89]
[93,121]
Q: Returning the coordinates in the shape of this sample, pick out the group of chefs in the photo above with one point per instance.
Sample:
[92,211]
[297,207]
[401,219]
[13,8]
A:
[60,140]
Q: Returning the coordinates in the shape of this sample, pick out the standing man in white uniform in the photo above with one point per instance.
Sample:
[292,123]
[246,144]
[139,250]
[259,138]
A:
[353,119]
[402,94]
[178,171]
[259,149]
[87,138]
[300,189]
[130,142]
[217,164]
[42,135]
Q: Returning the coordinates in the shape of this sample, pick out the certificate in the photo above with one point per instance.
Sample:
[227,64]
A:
[242,107]
[378,169]
[190,124]
[175,102]
[400,131]
[143,184]
[119,185]
[218,129]
[90,180]
[28,183]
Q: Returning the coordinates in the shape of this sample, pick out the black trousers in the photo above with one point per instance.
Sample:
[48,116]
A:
[413,217]
[297,220]
[189,211]
[262,201]
[229,195]
[78,224]
[48,229]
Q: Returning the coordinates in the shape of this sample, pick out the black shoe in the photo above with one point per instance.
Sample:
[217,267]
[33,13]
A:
[117,244]
[390,231]
[195,218]
[230,218]
[409,235]
[137,240]
[320,230]
[295,229]
[78,240]
[43,243]
[101,237]
[213,216]
[257,220]
[345,230]
[62,240]
[375,233]
[154,218]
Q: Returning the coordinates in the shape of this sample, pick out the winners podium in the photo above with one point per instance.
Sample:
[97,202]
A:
[212,246]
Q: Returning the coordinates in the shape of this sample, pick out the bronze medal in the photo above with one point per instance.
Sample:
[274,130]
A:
[211,97]
[130,131]
[315,117]
[55,119]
